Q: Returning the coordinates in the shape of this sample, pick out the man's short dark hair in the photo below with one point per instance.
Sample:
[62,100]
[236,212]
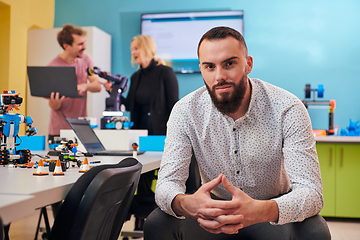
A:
[222,33]
[65,35]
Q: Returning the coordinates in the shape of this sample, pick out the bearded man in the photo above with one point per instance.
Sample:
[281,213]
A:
[254,145]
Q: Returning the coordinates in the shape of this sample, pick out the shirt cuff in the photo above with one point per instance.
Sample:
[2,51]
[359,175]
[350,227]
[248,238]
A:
[166,206]
[284,217]
[171,211]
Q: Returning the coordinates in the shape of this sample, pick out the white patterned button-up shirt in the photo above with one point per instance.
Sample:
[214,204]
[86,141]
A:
[269,153]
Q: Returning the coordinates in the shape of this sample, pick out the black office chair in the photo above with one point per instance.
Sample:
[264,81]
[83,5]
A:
[142,205]
[1,229]
[194,180]
[97,204]
[192,184]
[4,231]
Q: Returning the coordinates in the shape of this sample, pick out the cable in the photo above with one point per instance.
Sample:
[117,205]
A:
[86,154]
[38,155]
[17,136]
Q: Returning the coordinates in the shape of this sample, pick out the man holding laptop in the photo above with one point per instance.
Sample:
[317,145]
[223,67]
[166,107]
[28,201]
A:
[72,40]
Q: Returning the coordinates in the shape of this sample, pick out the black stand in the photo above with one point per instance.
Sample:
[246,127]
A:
[43,212]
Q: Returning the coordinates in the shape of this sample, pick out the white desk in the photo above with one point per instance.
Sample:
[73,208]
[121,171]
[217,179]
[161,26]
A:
[28,191]
[10,205]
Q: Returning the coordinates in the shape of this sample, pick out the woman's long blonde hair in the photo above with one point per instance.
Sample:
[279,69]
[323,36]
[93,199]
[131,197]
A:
[147,47]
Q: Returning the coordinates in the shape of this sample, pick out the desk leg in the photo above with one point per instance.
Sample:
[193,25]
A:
[55,208]
[46,220]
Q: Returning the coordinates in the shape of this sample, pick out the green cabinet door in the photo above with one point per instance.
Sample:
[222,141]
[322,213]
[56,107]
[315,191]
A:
[347,180]
[326,155]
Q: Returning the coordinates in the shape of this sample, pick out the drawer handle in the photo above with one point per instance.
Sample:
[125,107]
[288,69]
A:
[330,158]
[341,157]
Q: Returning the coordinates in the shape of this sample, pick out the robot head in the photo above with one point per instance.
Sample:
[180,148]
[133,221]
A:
[9,100]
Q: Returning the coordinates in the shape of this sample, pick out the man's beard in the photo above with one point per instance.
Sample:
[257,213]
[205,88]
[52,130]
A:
[78,55]
[229,102]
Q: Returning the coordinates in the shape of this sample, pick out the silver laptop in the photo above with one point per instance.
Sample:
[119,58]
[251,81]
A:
[91,142]
[45,80]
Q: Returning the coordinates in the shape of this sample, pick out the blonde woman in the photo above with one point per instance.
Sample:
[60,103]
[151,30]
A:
[152,94]
[153,88]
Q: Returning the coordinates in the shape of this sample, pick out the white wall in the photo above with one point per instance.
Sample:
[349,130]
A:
[43,47]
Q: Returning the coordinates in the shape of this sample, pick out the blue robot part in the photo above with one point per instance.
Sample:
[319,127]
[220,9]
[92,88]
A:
[9,129]
[352,130]
[118,123]
[54,145]
[110,125]
[11,125]
[320,91]
[128,125]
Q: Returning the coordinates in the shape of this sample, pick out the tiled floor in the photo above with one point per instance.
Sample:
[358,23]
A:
[25,229]
[344,229]
[341,229]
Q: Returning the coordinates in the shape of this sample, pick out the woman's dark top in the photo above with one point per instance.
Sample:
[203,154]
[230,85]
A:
[152,94]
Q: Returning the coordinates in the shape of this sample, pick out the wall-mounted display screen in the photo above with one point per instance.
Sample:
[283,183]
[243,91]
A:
[177,34]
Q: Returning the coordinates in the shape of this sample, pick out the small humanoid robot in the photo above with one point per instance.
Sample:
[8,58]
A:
[9,129]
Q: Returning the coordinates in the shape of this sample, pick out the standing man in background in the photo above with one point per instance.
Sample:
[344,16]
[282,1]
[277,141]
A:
[72,40]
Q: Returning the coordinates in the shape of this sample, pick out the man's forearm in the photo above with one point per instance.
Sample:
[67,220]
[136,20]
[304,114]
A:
[94,87]
[271,211]
[264,210]
[54,106]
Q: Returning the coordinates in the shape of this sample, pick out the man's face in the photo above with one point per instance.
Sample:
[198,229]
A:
[225,67]
[78,46]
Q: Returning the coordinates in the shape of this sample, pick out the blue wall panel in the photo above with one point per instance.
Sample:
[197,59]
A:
[293,42]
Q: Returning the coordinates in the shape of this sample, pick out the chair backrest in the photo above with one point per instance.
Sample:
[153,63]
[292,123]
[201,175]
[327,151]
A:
[97,204]
[1,229]
[194,180]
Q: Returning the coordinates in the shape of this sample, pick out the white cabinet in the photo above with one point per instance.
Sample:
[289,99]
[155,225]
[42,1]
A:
[43,47]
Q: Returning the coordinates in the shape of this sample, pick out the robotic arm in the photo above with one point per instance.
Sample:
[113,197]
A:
[119,82]
[115,79]
[113,115]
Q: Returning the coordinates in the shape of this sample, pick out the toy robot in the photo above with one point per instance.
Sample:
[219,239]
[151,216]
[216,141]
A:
[67,153]
[352,130]
[330,103]
[9,129]
[113,115]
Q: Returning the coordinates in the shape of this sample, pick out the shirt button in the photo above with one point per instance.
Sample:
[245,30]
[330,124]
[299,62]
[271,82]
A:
[235,151]
[237,172]
[234,129]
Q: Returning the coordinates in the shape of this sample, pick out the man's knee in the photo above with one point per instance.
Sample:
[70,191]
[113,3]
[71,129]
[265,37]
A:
[313,228]
[152,221]
[158,222]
